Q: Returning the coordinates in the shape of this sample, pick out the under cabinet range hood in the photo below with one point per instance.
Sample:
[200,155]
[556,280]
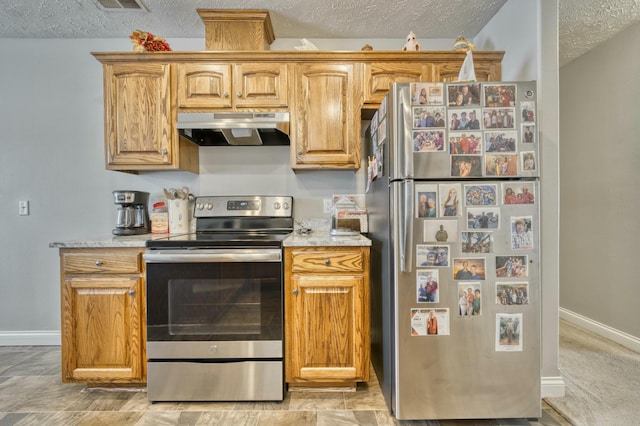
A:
[235,128]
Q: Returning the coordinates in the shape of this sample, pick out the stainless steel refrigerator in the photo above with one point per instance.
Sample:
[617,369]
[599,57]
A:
[453,199]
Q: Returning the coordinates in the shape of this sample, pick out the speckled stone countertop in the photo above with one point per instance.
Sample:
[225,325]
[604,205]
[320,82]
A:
[323,238]
[318,236]
[108,241]
[315,232]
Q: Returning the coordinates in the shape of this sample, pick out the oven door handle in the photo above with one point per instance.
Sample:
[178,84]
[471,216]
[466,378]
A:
[213,256]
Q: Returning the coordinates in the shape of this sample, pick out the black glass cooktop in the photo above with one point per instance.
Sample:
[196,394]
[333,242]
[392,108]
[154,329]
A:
[218,239]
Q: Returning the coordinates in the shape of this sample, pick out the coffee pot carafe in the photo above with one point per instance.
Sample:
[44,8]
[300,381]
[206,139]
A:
[132,215]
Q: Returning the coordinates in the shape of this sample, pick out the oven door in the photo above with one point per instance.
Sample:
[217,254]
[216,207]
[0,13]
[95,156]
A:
[214,303]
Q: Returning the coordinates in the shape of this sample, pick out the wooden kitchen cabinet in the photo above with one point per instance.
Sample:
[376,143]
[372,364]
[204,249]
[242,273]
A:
[379,76]
[325,118]
[327,316]
[228,86]
[326,93]
[140,131]
[103,315]
[449,71]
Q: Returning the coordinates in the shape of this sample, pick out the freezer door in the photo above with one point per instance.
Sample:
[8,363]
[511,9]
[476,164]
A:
[503,142]
[471,362]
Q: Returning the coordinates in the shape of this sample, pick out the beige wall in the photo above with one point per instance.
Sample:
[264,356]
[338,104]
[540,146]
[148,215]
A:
[600,184]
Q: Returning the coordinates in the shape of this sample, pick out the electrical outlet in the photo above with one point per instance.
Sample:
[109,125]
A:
[23,208]
[327,205]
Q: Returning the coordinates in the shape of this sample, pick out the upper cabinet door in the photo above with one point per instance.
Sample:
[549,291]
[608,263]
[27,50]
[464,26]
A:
[204,86]
[227,86]
[485,70]
[260,85]
[138,114]
[379,77]
[326,116]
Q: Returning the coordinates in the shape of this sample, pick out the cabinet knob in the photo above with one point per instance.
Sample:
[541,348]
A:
[239,94]
[132,292]
[225,95]
[295,292]
[99,263]
[327,262]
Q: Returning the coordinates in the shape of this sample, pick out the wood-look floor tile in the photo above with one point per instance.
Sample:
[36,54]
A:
[365,399]
[11,356]
[108,418]
[287,418]
[36,364]
[228,417]
[139,402]
[346,417]
[10,419]
[309,401]
[159,418]
[14,391]
[265,405]
[55,418]
[384,418]
[107,401]
[206,406]
[51,397]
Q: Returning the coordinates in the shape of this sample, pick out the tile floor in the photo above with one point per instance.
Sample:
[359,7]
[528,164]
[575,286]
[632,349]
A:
[31,393]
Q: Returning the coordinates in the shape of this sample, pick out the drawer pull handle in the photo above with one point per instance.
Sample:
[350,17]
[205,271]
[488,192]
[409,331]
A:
[327,262]
[295,292]
[99,263]
[132,292]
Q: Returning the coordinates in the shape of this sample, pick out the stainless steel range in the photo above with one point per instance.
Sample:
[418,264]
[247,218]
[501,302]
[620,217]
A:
[215,303]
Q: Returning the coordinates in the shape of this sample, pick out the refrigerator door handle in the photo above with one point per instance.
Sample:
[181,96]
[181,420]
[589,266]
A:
[405,146]
[406,225]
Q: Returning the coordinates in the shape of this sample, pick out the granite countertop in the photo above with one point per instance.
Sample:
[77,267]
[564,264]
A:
[108,241]
[316,233]
[319,237]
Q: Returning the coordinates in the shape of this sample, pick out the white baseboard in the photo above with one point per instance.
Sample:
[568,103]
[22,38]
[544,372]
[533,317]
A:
[552,387]
[602,330]
[30,338]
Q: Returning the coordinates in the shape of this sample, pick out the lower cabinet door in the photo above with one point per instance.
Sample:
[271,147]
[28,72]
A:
[327,339]
[102,330]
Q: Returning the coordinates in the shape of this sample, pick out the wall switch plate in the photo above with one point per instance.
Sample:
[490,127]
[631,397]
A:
[327,205]
[23,208]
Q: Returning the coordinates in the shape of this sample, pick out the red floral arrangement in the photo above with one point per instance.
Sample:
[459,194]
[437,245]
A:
[147,42]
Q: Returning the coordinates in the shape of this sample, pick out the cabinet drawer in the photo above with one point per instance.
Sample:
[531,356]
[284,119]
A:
[329,260]
[106,261]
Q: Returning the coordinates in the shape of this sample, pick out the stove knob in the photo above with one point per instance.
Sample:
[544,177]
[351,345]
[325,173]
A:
[285,205]
[276,205]
[209,206]
[199,206]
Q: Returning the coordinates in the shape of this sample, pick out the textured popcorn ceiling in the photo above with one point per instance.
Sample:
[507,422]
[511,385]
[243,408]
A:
[583,23]
[586,23]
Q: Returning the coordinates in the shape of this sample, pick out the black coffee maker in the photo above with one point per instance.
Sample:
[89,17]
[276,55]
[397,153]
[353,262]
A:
[133,214]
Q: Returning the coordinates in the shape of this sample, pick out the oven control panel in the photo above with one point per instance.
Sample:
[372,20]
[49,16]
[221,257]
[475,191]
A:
[239,206]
